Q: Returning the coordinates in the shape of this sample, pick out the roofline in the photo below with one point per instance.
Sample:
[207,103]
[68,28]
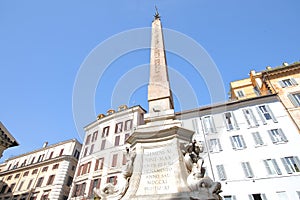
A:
[276,69]
[44,148]
[136,106]
[217,105]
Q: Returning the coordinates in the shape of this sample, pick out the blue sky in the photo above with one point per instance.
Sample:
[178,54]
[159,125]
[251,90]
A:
[43,45]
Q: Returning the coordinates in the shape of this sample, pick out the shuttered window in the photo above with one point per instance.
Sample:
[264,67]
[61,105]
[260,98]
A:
[221,172]
[257,139]
[247,169]
[250,118]
[237,142]
[277,135]
[272,167]
[291,164]
[266,114]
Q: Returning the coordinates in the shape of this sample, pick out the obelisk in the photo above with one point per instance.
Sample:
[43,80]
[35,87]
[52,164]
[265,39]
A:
[160,98]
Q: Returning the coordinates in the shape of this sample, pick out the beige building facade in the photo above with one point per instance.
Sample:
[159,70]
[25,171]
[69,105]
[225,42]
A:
[46,173]
[282,80]
[103,150]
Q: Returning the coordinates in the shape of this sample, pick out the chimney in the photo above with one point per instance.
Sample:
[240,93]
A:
[45,144]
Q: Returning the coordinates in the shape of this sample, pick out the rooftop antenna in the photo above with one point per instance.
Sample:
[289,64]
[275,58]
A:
[156,13]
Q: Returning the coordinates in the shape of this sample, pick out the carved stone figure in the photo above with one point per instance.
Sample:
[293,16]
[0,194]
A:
[110,191]
[196,180]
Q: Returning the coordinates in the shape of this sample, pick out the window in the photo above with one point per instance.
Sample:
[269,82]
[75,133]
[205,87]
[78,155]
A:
[221,172]
[298,192]
[3,189]
[282,195]
[295,99]
[29,184]
[128,125]
[208,124]
[11,188]
[32,160]
[61,152]
[88,139]
[45,196]
[76,154]
[250,118]
[51,155]
[34,171]
[24,163]
[94,184]
[41,157]
[256,91]
[17,175]
[247,169]
[114,160]
[103,144]
[117,140]
[9,177]
[257,197]
[105,131]
[26,173]
[95,135]
[291,164]
[119,127]
[70,180]
[277,135]
[20,186]
[45,169]
[240,93]
[126,136]
[40,182]
[257,139]
[55,166]
[265,113]
[214,145]
[85,151]
[91,149]
[272,167]
[112,179]
[85,168]
[229,197]
[124,160]
[237,142]
[230,121]
[99,164]
[83,185]
[50,179]
[195,126]
[76,190]
[287,82]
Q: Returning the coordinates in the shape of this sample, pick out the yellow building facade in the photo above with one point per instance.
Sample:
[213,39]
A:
[282,80]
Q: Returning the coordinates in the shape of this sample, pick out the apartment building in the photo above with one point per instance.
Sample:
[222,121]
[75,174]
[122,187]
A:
[103,150]
[250,147]
[281,80]
[45,173]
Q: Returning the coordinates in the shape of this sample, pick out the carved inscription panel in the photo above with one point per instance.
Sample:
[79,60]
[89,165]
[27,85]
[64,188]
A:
[158,172]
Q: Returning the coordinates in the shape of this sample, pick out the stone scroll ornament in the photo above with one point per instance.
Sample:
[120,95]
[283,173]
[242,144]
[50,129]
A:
[196,180]
[115,192]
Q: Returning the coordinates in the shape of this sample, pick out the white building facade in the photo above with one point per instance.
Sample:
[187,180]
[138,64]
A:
[45,173]
[250,146]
